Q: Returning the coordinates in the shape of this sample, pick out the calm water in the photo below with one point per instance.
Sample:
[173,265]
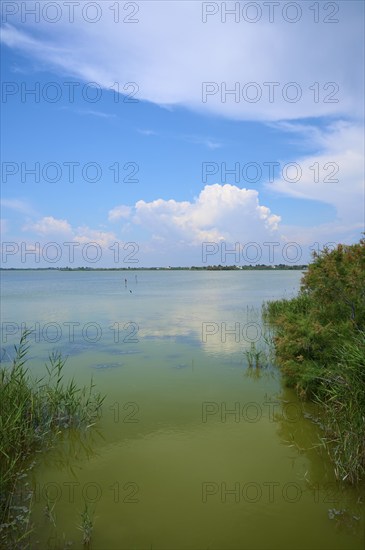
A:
[192,451]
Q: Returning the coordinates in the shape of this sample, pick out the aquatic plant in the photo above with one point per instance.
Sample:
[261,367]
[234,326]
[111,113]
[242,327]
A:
[33,413]
[87,524]
[49,511]
[256,358]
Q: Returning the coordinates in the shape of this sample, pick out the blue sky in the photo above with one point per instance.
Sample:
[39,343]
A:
[176,168]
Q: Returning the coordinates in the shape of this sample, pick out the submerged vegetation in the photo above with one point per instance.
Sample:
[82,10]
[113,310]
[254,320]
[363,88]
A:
[86,526]
[320,347]
[33,413]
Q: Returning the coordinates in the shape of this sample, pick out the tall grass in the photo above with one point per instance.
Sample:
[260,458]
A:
[33,412]
[320,347]
[342,396]
[326,364]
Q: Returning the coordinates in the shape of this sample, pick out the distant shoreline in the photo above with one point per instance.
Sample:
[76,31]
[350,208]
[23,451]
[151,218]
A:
[260,267]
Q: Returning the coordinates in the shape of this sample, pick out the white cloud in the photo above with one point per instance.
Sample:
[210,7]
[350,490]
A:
[170,52]
[49,225]
[146,132]
[85,235]
[3,226]
[206,141]
[220,212]
[334,176]
[232,53]
[92,112]
[17,205]
[119,212]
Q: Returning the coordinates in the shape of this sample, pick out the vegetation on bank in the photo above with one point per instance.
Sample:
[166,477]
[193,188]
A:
[33,413]
[320,347]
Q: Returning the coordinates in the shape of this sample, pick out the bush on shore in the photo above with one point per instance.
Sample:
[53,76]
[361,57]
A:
[320,348]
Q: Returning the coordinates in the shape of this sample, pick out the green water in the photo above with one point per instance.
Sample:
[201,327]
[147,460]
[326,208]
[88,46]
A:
[193,450]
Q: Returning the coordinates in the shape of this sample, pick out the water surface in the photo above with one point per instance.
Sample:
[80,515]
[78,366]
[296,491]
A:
[194,450]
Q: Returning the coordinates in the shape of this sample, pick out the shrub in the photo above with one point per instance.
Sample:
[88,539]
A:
[319,342]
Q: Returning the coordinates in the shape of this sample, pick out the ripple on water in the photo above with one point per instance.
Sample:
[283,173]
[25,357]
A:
[116,351]
[106,366]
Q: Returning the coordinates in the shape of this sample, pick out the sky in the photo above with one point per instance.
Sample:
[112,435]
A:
[178,133]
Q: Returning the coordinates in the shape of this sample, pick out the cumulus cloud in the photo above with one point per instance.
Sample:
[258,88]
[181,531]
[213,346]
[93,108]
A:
[220,212]
[85,235]
[226,55]
[48,226]
[119,212]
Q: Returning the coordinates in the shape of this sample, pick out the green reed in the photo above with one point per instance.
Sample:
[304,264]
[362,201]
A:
[33,413]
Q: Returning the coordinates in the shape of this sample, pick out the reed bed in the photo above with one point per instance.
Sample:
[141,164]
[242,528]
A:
[33,413]
[320,347]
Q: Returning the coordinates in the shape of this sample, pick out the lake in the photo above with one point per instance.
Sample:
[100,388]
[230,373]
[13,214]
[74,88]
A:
[194,450]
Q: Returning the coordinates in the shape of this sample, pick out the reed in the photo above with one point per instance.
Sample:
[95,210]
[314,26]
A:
[255,357]
[86,526]
[320,347]
[33,413]
[342,396]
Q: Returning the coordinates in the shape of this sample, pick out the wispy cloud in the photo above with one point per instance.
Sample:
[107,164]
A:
[196,140]
[91,112]
[205,141]
[3,226]
[18,205]
[147,132]
[215,53]
[334,175]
